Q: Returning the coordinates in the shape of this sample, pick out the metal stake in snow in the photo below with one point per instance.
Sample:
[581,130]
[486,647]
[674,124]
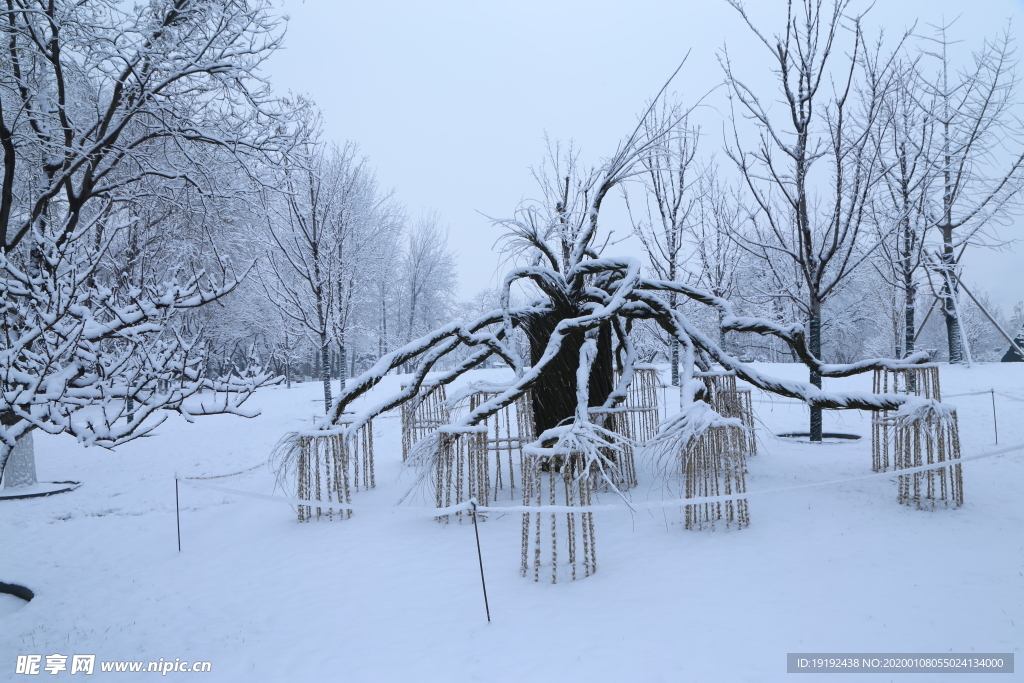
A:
[480,557]
[177,511]
[995,424]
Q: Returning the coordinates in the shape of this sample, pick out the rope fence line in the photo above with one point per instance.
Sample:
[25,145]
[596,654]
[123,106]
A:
[991,392]
[421,512]
[761,399]
[646,505]
[224,476]
[971,393]
[986,392]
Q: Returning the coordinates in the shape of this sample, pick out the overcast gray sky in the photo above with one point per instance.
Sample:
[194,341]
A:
[451,99]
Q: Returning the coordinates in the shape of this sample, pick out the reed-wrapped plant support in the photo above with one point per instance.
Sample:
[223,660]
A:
[713,463]
[709,451]
[927,437]
[642,407]
[422,415]
[326,466]
[558,544]
[461,469]
[730,401]
[509,430]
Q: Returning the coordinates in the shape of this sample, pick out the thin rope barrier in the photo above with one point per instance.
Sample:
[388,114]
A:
[422,512]
[223,476]
[646,505]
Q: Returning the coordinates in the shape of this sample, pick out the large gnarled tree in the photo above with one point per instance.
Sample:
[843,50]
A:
[577,327]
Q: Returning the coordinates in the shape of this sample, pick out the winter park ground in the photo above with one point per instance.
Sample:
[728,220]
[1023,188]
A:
[389,596]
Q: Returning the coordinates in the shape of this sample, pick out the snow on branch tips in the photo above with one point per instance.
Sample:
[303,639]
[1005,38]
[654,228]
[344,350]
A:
[105,256]
[575,326]
[572,379]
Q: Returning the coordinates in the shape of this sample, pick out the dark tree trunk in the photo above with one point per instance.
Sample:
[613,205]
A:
[909,322]
[554,393]
[675,362]
[909,331]
[325,371]
[815,349]
[674,343]
[953,336]
[342,364]
[721,330]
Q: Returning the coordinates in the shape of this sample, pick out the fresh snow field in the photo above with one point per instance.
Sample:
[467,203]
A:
[391,596]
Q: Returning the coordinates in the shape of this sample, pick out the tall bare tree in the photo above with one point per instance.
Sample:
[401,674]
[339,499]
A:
[718,259]
[428,277]
[815,162]
[96,98]
[318,222]
[666,215]
[974,132]
[564,318]
[901,210]
[368,225]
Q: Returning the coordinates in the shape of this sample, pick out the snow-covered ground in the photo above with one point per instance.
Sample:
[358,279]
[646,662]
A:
[388,596]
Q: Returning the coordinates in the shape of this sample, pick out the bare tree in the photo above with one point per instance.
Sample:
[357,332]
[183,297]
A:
[368,225]
[316,223]
[973,130]
[665,217]
[906,143]
[428,277]
[720,258]
[812,170]
[96,98]
[564,322]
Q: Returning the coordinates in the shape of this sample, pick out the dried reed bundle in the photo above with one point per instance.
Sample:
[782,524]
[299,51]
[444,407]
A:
[739,404]
[508,431]
[422,415]
[709,450]
[325,465]
[714,464]
[460,469]
[558,480]
[641,405]
[920,433]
